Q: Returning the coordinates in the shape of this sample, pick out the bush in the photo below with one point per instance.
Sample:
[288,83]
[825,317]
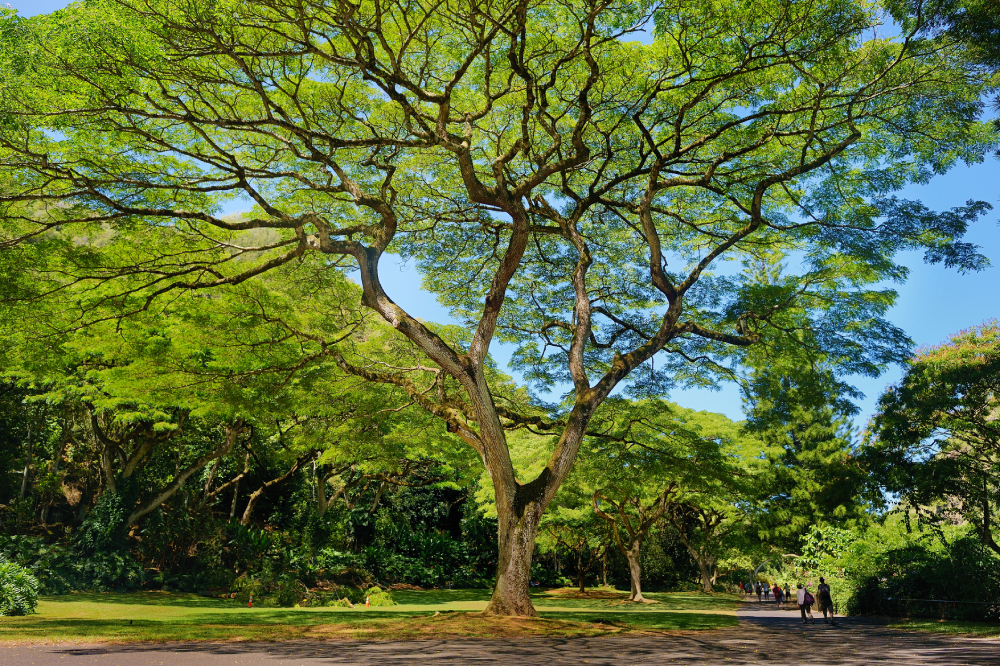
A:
[60,569]
[377,597]
[890,570]
[18,589]
[917,580]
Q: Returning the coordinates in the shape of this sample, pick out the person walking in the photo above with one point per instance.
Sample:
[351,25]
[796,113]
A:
[767,591]
[825,600]
[788,592]
[777,594]
[759,591]
[805,601]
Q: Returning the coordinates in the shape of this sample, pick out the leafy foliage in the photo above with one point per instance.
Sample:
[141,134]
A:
[578,196]
[18,589]
[889,569]
[935,441]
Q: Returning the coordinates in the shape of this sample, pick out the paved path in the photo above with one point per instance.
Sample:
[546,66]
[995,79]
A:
[763,637]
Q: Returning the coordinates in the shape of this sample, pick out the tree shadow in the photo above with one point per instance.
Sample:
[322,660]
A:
[777,643]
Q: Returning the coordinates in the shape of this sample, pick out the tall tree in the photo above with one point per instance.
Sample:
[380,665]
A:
[541,168]
[800,414]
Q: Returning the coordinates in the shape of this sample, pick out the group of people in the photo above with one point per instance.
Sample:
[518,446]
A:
[803,597]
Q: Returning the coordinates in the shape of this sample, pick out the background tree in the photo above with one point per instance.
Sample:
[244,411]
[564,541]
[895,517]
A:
[935,441]
[541,169]
[638,457]
[801,416]
[570,528]
[713,509]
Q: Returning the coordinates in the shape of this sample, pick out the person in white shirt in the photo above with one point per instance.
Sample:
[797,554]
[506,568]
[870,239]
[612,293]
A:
[804,607]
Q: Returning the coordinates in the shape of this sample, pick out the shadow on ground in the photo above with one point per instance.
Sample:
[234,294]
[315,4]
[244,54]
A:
[780,640]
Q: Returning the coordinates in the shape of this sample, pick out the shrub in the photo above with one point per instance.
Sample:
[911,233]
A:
[378,597]
[340,603]
[18,589]
[889,570]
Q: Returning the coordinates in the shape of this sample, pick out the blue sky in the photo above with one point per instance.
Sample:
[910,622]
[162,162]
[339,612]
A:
[933,303]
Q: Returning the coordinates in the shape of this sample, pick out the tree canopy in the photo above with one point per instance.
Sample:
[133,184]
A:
[612,207]
[935,442]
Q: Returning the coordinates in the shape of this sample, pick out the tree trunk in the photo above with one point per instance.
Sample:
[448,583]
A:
[516,540]
[706,566]
[236,485]
[604,567]
[208,482]
[321,503]
[27,464]
[255,495]
[581,575]
[378,496]
[236,495]
[634,571]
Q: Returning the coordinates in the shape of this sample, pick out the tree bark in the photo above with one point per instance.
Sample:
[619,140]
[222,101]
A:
[706,566]
[236,495]
[208,481]
[378,497]
[27,464]
[516,546]
[635,571]
[604,567]
[321,503]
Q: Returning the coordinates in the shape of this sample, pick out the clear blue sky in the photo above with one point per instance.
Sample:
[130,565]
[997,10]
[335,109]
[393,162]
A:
[933,303]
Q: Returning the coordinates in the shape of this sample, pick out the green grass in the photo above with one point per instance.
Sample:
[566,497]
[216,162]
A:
[566,599]
[984,629]
[159,616]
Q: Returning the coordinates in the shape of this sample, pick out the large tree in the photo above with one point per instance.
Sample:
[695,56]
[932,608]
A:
[561,183]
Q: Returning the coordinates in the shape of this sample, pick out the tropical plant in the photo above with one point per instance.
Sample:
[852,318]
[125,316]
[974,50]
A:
[18,589]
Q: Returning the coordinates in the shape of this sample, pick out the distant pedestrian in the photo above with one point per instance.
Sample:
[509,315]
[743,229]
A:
[767,592]
[777,594]
[825,600]
[759,591]
[788,592]
[805,601]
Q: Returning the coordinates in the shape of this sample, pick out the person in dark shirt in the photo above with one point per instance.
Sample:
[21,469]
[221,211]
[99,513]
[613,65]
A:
[825,600]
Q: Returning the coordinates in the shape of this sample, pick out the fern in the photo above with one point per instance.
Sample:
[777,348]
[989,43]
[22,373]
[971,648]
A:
[18,589]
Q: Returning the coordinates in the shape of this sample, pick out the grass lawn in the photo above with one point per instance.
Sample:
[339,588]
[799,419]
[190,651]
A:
[984,629]
[161,616]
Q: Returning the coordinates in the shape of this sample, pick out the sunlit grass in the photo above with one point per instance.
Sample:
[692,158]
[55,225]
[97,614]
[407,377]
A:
[159,616]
